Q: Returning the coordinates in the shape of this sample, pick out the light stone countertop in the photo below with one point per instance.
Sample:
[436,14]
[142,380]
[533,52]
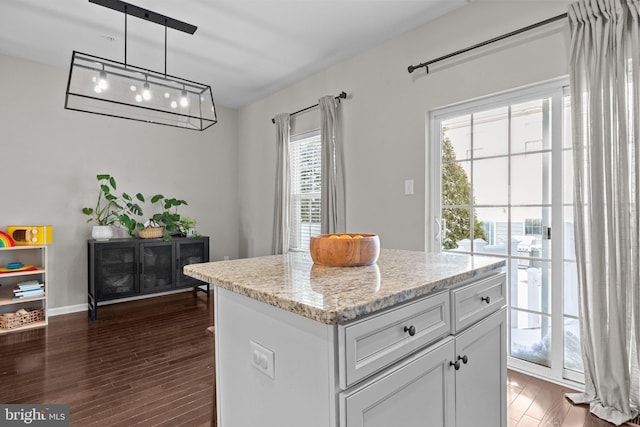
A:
[333,295]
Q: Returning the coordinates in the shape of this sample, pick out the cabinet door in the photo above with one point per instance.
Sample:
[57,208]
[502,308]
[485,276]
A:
[157,264]
[191,250]
[481,382]
[116,270]
[417,393]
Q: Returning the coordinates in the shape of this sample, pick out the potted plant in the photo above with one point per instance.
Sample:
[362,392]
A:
[129,212]
[167,219]
[187,227]
[105,213]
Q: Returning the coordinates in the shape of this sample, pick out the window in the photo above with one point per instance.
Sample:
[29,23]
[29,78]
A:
[504,180]
[306,179]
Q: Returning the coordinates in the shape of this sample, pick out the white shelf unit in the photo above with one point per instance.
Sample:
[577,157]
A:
[35,255]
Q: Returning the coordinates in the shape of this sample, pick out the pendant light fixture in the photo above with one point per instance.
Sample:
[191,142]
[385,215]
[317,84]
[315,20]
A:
[101,86]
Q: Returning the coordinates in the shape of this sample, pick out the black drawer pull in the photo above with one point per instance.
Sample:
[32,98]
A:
[411,329]
[486,299]
[455,364]
[464,359]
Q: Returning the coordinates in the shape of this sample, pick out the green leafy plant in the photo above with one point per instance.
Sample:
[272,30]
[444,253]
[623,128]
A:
[129,211]
[107,207]
[185,224]
[169,218]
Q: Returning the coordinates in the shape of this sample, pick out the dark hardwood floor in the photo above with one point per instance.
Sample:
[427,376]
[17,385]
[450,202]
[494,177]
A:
[150,362]
[146,362]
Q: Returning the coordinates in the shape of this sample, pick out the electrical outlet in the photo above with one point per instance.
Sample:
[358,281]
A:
[262,359]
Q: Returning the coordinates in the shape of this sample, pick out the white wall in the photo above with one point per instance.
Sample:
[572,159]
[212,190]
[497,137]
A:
[50,157]
[385,116]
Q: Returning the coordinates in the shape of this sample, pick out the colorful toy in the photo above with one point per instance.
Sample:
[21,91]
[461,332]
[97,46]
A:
[5,240]
[30,234]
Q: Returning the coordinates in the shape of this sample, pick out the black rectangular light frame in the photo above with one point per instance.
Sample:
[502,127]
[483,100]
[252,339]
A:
[147,15]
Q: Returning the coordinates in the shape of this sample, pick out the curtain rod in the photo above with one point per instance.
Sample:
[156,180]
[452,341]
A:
[412,68]
[343,95]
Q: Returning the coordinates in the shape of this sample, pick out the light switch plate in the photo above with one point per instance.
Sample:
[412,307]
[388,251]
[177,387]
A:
[262,359]
[408,187]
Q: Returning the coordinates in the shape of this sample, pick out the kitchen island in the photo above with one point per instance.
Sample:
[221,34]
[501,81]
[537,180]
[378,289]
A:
[416,339]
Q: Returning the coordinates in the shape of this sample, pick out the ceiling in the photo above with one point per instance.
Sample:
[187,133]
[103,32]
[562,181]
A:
[244,49]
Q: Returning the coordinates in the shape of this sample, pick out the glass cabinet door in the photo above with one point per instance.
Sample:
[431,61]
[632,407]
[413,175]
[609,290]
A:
[191,251]
[116,271]
[157,266]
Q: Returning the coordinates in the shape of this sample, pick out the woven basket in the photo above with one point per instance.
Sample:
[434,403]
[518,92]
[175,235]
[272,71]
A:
[9,322]
[151,232]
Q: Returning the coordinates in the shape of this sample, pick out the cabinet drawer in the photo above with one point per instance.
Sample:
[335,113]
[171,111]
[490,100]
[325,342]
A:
[371,344]
[474,302]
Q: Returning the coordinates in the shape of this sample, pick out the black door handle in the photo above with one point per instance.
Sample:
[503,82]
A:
[486,299]
[455,364]
[411,329]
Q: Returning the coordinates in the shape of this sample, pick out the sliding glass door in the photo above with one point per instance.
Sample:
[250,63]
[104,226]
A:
[502,188]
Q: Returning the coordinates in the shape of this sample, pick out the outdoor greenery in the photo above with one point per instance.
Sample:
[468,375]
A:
[456,191]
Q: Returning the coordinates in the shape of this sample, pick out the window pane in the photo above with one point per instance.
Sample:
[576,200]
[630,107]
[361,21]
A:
[533,291]
[491,181]
[567,174]
[455,228]
[456,188]
[571,302]
[569,243]
[491,133]
[530,337]
[566,117]
[528,183]
[305,173]
[527,127]
[572,350]
[456,137]
[491,226]
[528,226]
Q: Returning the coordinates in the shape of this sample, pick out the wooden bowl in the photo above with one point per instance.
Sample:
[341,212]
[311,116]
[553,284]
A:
[359,249]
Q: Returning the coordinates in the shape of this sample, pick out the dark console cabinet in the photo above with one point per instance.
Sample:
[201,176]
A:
[121,268]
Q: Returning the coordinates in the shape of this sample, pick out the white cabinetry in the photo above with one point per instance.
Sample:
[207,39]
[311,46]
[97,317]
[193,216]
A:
[403,366]
[35,256]
[418,389]
[481,381]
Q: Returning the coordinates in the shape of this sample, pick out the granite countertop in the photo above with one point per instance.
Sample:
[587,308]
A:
[333,295]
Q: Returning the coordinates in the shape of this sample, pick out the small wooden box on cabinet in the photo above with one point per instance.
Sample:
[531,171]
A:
[35,255]
[124,268]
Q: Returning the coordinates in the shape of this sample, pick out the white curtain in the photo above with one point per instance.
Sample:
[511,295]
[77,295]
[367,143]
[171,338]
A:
[605,96]
[282,202]
[333,205]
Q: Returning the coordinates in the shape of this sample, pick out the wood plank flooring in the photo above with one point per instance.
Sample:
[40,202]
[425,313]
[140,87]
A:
[146,362]
[150,363]
[536,403]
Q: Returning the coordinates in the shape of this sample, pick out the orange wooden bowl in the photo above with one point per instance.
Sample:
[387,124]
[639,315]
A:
[345,252]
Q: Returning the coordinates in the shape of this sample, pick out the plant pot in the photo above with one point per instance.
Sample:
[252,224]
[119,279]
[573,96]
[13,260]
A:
[102,233]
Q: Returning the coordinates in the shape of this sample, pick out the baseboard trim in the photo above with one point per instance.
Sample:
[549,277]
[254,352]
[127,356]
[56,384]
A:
[68,309]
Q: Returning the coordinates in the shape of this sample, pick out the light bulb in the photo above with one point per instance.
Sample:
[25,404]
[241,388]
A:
[133,88]
[184,101]
[146,93]
[166,95]
[139,98]
[97,88]
[102,81]
[174,104]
